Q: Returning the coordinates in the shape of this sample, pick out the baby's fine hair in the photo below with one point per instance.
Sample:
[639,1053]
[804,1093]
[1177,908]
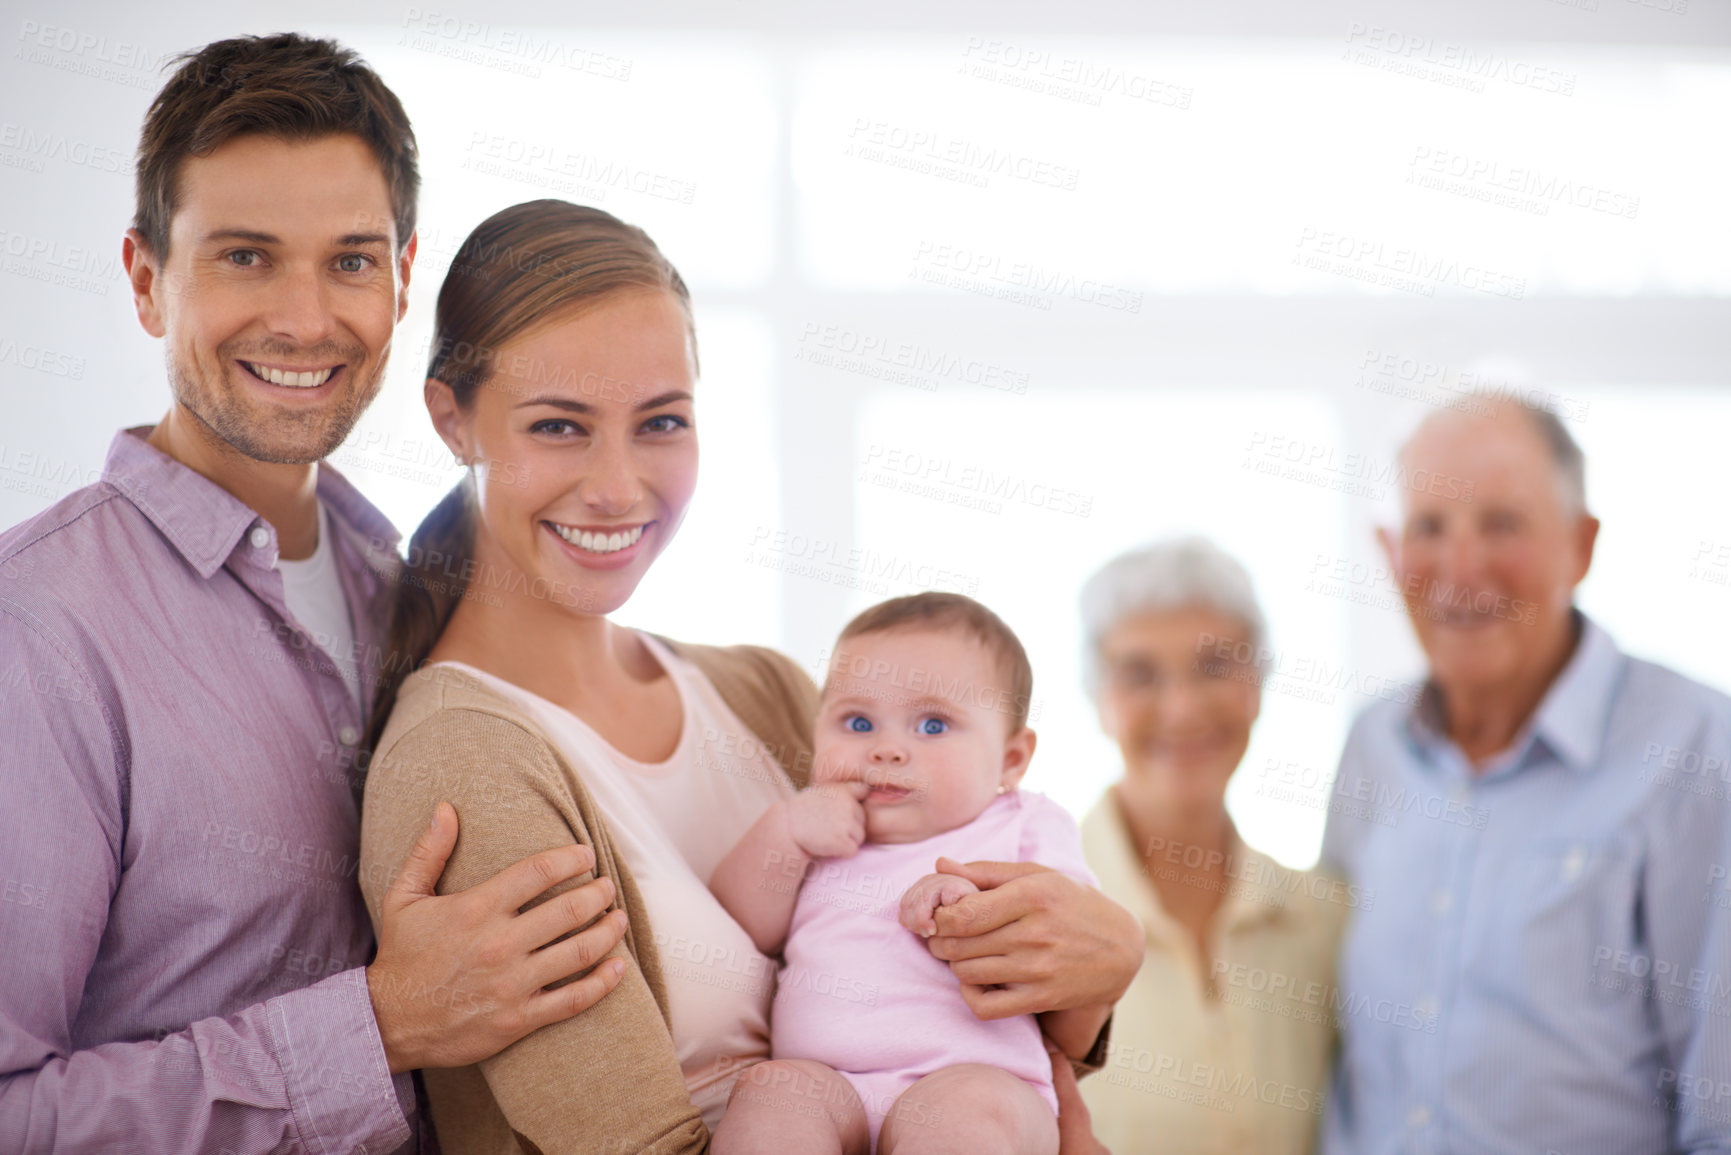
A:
[947,611]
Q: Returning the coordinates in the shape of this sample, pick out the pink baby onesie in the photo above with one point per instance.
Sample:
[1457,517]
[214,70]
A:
[861,993]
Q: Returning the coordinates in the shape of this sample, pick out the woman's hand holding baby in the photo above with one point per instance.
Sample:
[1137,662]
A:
[921,901]
[828,820]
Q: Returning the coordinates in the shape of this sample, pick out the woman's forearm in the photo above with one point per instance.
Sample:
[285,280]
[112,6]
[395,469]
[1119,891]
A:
[1076,1030]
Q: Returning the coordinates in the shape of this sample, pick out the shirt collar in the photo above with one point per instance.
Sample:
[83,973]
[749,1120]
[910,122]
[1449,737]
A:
[1123,873]
[1571,720]
[1572,715]
[204,521]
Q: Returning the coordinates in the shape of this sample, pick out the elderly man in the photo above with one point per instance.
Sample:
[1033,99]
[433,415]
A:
[1544,969]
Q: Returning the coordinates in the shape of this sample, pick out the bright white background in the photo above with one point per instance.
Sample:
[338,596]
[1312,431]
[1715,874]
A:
[1076,334]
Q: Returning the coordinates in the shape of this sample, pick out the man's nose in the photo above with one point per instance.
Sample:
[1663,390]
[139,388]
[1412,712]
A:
[1462,556]
[299,311]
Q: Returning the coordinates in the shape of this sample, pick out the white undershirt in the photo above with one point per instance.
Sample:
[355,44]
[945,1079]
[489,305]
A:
[313,590]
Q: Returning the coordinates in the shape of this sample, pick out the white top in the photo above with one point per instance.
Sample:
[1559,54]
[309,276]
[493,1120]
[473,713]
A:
[1234,1059]
[673,822]
[313,590]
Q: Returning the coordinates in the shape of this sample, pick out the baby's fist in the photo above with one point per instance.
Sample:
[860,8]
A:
[920,903]
[828,820]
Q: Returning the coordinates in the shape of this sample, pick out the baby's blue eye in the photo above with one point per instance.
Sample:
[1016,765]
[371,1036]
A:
[933,726]
[859,725]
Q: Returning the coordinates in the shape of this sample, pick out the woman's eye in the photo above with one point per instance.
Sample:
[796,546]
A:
[353,262]
[933,725]
[858,724]
[665,423]
[557,426]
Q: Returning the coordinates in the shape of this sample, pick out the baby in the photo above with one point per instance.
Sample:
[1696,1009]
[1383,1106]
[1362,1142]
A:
[921,739]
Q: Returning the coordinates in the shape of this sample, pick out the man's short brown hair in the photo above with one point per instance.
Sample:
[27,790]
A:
[287,85]
[946,611]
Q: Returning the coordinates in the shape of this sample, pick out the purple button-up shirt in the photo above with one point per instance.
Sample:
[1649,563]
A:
[181,934]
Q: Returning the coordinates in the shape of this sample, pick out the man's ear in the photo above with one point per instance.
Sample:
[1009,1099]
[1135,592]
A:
[1390,550]
[144,274]
[1586,537]
[448,419]
[405,264]
[1018,752]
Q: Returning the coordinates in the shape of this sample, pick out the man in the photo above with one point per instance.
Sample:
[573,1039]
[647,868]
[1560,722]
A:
[186,651]
[1544,969]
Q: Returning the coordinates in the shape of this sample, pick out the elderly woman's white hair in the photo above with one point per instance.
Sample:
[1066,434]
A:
[1164,577]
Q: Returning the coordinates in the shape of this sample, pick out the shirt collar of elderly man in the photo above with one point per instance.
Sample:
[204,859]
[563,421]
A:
[1487,564]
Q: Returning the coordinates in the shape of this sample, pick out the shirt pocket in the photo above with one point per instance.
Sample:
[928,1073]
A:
[1569,931]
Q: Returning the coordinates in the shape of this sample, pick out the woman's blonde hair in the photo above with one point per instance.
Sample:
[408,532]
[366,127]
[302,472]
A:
[521,269]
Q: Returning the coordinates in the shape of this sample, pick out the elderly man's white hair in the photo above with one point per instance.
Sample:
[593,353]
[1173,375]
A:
[1164,577]
[1567,461]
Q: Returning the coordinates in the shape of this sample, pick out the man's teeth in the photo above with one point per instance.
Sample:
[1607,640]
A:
[293,380]
[599,542]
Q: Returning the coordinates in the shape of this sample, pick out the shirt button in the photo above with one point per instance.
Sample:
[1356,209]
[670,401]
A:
[1441,902]
[1418,1117]
[260,537]
[348,735]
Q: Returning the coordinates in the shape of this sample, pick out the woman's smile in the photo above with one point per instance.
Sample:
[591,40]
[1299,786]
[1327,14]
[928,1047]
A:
[599,547]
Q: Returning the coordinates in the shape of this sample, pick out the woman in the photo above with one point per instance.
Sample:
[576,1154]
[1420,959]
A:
[1222,1042]
[564,372]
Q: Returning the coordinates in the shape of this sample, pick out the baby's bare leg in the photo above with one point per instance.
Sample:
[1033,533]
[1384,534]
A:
[966,1109]
[792,1105]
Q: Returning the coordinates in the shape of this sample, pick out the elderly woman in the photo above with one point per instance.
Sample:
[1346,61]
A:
[1222,1043]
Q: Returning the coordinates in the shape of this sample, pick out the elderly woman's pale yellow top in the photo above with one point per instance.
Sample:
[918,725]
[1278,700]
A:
[1233,1057]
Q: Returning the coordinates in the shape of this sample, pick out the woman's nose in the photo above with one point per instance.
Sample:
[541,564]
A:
[610,488]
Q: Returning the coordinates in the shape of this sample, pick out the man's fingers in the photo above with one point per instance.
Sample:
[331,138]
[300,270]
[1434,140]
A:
[575,998]
[579,952]
[563,913]
[420,873]
[534,876]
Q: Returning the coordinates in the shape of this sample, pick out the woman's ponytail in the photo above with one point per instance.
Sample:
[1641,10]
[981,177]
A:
[432,581]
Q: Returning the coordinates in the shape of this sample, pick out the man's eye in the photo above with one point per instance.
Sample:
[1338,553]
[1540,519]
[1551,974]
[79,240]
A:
[353,262]
[243,258]
[1503,522]
[933,725]
[858,724]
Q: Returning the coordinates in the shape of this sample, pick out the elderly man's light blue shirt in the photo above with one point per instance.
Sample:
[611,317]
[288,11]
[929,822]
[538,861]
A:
[1556,926]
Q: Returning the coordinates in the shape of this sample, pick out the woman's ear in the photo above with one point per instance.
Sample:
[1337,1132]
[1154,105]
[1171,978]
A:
[449,419]
[1018,752]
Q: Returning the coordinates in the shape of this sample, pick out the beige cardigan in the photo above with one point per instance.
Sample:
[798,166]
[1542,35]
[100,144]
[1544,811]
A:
[608,1081]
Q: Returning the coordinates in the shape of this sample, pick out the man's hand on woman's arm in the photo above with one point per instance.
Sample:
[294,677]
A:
[1034,941]
[459,977]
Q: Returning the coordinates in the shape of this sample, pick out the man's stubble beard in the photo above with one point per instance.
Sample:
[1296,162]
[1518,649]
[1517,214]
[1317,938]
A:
[300,438]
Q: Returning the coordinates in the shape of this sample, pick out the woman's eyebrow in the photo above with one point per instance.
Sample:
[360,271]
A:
[665,399]
[557,402]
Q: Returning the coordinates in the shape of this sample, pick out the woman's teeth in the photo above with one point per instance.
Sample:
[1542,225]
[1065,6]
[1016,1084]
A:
[598,542]
[292,380]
